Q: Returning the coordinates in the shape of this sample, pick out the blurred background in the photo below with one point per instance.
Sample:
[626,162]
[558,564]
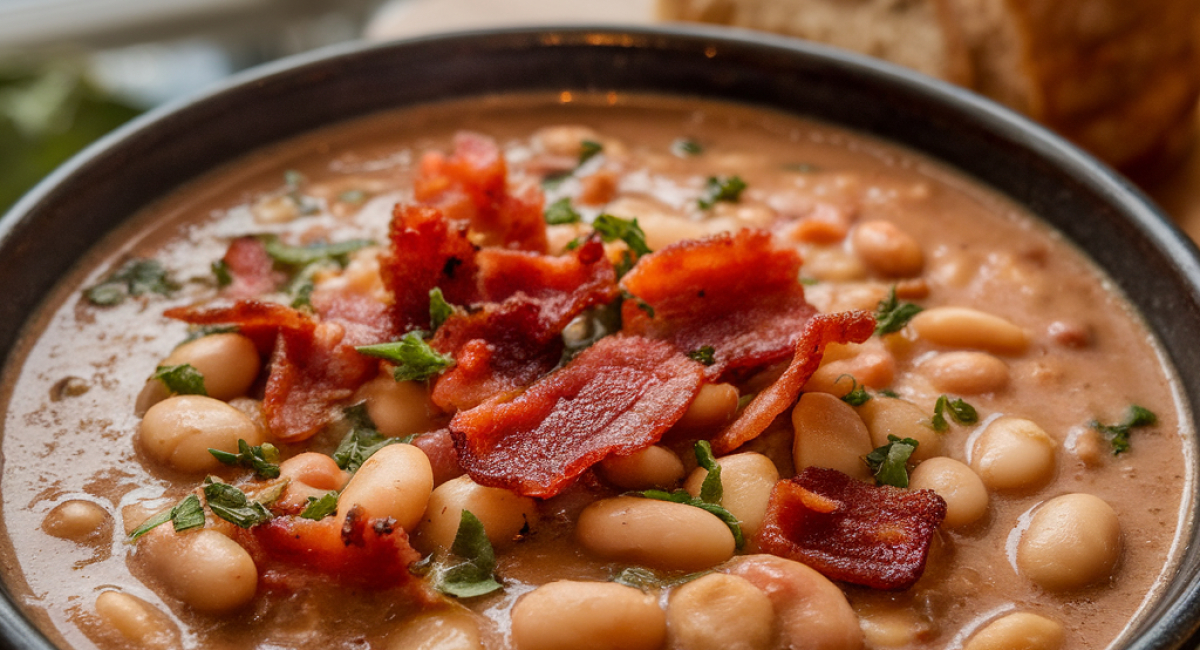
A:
[1118,76]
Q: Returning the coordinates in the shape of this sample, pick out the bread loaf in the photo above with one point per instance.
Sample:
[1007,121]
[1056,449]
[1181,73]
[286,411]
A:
[1119,77]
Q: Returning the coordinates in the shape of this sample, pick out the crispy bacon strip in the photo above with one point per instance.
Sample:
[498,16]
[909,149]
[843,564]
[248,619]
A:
[260,321]
[821,330]
[250,268]
[739,293]
[616,397]
[363,553]
[873,536]
[427,251]
[471,185]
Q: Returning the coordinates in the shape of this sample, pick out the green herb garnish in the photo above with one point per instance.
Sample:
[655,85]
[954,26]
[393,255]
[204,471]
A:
[353,197]
[686,147]
[474,574]
[362,440]
[889,463]
[892,315]
[135,278]
[711,492]
[960,411]
[414,358]
[588,150]
[627,230]
[231,504]
[439,309]
[560,212]
[221,271]
[704,354]
[858,394]
[645,579]
[182,379]
[721,188]
[187,514]
[887,392]
[263,459]
[1118,434]
[318,509]
[298,256]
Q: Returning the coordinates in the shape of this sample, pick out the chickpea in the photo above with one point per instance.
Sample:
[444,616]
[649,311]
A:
[886,416]
[719,612]
[179,431]
[136,620]
[746,480]
[504,513]
[714,407]
[966,497]
[1072,541]
[76,520]
[966,373]
[398,408]
[962,327]
[829,433]
[395,482]
[657,534]
[652,467]
[229,363]
[206,570]
[810,611]
[1018,631]
[569,615]
[453,630]
[887,249]
[1012,454]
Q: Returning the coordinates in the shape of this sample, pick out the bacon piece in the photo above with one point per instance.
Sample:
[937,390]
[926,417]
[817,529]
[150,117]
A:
[427,251]
[364,553]
[509,344]
[250,267]
[873,536]
[821,330]
[260,321]
[471,185]
[738,293]
[616,397]
[443,458]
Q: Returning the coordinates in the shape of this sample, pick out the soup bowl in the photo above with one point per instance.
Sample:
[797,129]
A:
[1150,262]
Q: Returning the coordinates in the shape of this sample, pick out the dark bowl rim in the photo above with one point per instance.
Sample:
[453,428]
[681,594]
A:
[1181,619]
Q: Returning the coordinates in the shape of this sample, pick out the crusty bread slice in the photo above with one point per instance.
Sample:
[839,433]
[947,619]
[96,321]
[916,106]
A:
[908,32]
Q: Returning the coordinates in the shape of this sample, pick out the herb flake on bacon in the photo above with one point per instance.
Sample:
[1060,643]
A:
[427,251]
[821,330]
[616,397]
[850,531]
[739,294]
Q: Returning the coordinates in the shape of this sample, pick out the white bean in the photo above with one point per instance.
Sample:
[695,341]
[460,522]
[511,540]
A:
[1072,541]
[569,615]
[205,569]
[652,467]
[657,534]
[887,249]
[886,416]
[746,481]
[719,612]
[136,620]
[399,408]
[966,373]
[442,630]
[179,431]
[829,433]
[1019,631]
[965,496]
[963,327]
[713,408]
[1012,454]
[228,361]
[76,520]
[503,513]
[395,482]
[811,612]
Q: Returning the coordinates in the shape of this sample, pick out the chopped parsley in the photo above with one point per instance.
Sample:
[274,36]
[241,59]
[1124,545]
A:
[627,230]
[887,392]
[414,358]
[135,278]
[858,394]
[474,572]
[686,147]
[439,309]
[201,331]
[231,504]
[1118,434]
[263,459]
[721,188]
[960,411]
[560,212]
[889,463]
[182,379]
[744,400]
[892,315]
[588,149]
[711,492]
[318,509]
[220,270]
[187,514]
[300,256]
[704,354]
[641,304]
[645,579]
[305,204]
[362,441]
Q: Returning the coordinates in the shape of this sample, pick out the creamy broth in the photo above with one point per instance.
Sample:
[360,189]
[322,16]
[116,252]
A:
[70,424]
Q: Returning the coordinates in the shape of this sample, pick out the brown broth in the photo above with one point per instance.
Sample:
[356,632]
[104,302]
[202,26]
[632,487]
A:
[980,251]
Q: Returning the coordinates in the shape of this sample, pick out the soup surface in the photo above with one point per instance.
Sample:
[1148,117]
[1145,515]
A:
[1008,443]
